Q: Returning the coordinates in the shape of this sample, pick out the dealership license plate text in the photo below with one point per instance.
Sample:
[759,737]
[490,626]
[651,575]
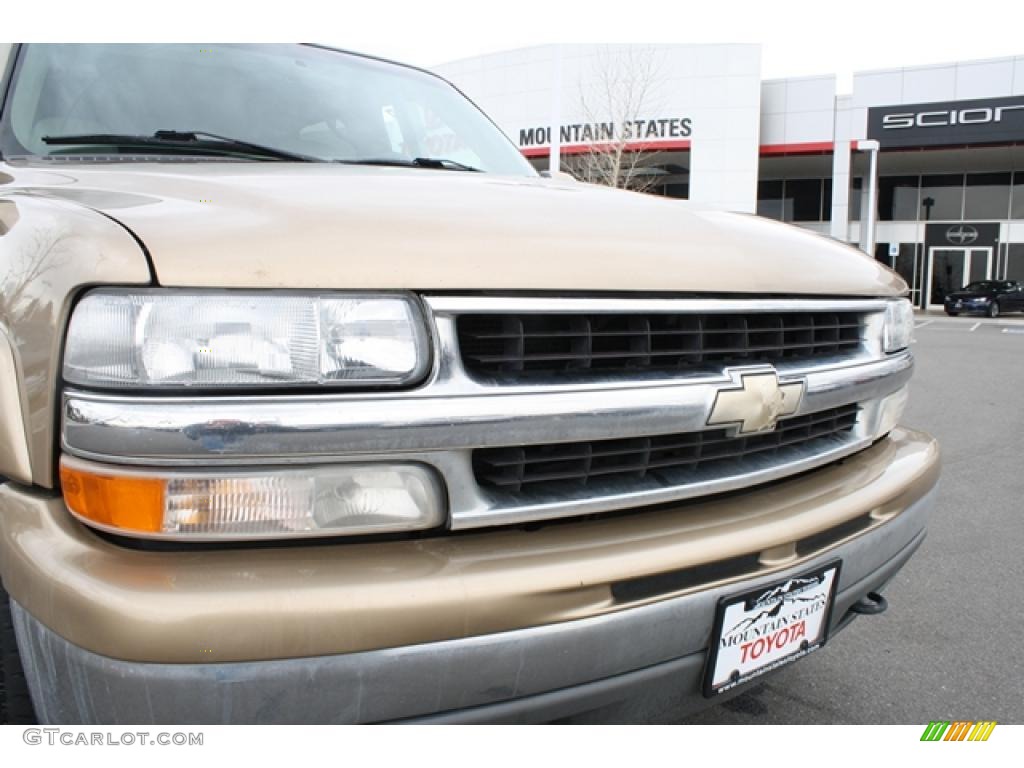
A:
[764,629]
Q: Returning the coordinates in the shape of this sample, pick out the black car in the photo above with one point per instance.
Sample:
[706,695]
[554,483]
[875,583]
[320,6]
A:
[988,297]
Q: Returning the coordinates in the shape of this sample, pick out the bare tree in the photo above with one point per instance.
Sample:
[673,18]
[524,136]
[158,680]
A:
[615,101]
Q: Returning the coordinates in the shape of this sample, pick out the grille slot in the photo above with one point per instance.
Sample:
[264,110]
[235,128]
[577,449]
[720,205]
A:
[663,459]
[517,346]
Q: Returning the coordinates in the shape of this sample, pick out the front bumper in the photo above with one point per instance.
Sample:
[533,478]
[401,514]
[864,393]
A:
[966,307]
[502,625]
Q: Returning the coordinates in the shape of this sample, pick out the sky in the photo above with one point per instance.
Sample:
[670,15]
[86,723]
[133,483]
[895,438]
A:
[798,37]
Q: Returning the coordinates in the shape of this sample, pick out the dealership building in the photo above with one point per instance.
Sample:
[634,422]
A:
[939,149]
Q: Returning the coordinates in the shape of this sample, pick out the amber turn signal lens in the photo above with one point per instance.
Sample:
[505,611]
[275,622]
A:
[347,499]
[128,503]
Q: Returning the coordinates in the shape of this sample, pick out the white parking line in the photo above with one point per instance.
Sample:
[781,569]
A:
[968,325]
[951,325]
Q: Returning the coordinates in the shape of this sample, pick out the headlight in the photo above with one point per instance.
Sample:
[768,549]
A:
[345,499]
[898,331]
[173,339]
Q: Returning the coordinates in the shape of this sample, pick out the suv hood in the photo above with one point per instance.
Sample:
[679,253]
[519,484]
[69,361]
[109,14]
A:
[275,225]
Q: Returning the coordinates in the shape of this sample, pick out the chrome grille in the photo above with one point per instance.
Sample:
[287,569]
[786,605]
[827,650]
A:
[521,346]
[675,460]
[457,417]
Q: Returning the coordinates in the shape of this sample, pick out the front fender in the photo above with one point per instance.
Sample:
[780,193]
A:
[49,251]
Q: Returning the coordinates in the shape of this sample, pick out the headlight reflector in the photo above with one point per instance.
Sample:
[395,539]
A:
[174,339]
[343,499]
[898,330]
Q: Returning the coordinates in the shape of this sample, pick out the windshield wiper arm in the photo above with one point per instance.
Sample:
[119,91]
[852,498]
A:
[201,140]
[443,162]
[415,162]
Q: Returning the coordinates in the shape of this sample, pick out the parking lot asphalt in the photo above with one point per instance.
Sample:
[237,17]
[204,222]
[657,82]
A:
[950,645]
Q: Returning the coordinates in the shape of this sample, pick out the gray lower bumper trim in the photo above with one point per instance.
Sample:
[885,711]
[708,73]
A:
[532,674]
[678,681]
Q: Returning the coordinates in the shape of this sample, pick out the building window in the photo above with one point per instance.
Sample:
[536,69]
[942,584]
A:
[680,191]
[1014,269]
[905,262]
[769,199]
[942,197]
[987,196]
[897,198]
[802,200]
[945,197]
[1017,210]
[856,190]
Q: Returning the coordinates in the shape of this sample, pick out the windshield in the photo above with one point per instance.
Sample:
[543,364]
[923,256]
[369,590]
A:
[984,286]
[321,104]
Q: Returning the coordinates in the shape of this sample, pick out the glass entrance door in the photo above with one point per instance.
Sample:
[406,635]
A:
[953,268]
[908,264]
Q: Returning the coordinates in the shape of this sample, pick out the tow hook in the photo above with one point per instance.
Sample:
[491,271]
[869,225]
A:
[872,603]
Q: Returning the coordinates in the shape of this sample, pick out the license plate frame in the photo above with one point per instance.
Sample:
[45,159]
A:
[765,632]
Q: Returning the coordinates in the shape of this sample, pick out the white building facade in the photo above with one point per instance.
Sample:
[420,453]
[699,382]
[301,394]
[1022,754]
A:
[949,189]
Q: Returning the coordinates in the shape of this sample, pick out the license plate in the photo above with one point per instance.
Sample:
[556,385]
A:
[769,627]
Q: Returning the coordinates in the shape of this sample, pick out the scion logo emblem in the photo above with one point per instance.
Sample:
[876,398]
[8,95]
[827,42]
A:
[757,402]
[961,234]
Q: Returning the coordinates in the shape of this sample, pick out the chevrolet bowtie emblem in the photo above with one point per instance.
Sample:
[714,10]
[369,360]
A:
[757,402]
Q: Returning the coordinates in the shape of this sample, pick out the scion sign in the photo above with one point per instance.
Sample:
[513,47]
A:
[948,123]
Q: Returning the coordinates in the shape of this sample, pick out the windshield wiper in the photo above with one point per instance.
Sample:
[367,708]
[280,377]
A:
[415,162]
[191,140]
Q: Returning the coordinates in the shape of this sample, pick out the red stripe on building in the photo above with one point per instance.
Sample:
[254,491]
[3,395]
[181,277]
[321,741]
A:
[676,145]
[806,148]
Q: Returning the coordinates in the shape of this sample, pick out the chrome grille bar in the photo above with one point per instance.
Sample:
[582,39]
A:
[290,429]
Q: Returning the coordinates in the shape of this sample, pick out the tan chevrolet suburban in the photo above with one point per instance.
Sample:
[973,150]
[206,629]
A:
[318,404]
